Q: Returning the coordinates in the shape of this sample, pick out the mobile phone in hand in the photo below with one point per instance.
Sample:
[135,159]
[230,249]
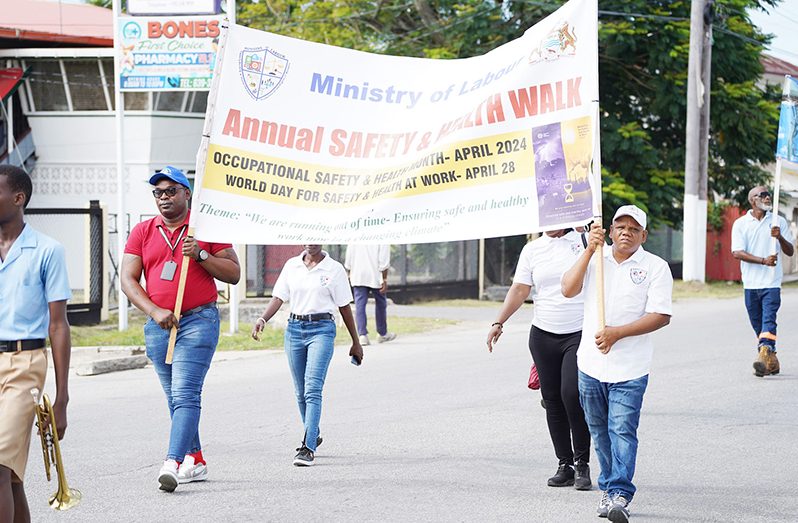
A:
[355,361]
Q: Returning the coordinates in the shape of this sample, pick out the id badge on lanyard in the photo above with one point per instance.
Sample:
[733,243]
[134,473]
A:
[169,270]
[170,267]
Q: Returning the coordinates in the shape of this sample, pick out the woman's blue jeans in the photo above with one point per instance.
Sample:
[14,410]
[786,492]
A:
[309,348]
[612,412]
[182,380]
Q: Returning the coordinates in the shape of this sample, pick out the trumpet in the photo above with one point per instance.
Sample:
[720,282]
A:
[64,498]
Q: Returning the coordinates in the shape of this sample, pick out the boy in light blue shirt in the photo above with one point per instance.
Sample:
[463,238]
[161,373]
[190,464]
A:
[33,295]
[760,264]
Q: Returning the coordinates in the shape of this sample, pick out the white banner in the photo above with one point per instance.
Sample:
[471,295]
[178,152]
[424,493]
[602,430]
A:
[317,144]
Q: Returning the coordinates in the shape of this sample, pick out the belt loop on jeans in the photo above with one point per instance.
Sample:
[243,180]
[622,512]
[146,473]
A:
[19,345]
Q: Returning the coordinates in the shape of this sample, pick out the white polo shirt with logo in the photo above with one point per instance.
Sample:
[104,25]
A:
[541,265]
[324,288]
[639,285]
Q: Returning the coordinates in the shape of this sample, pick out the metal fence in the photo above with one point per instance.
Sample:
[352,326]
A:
[82,233]
[418,271]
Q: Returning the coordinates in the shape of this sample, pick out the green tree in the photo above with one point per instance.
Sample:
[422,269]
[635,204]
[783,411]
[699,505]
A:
[643,48]
[643,84]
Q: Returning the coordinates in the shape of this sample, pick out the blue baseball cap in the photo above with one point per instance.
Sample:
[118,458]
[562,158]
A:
[170,173]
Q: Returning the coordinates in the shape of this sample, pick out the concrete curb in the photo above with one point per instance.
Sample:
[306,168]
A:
[90,361]
[112,365]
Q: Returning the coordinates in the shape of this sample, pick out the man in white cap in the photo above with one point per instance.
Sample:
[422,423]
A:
[614,361]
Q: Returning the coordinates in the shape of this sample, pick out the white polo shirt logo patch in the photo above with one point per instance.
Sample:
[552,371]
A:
[638,275]
[324,280]
[576,249]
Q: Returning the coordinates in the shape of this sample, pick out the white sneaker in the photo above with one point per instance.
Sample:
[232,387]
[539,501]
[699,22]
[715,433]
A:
[388,337]
[364,340]
[167,476]
[190,471]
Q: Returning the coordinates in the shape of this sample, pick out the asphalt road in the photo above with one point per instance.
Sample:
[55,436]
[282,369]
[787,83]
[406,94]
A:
[433,428]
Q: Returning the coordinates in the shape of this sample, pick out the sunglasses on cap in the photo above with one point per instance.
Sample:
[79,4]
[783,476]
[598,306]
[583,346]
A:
[169,191]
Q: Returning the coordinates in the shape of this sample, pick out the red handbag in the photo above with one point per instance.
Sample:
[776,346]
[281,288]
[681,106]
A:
[534,381]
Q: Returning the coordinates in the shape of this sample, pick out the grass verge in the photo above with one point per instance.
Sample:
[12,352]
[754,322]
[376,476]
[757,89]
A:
[710,290]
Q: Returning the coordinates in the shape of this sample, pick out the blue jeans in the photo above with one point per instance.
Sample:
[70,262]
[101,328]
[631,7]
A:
[762,305]
[182,380]
[612,412]
[309,348]
[380,308]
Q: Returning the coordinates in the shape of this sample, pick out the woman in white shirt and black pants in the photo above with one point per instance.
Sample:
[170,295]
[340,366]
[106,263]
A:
[553,342]
[315,285]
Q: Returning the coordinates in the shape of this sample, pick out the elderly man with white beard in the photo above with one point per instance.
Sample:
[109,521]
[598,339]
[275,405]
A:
[761,269]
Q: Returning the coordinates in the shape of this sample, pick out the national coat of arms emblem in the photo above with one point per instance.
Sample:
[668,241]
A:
[558,43]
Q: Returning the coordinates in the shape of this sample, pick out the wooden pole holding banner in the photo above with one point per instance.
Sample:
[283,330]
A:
[202,153]
[597,212]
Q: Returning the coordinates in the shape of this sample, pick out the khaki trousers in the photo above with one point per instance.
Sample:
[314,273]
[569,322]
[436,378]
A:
[19,373]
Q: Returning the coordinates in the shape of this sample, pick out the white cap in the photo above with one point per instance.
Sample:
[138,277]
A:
[634,211]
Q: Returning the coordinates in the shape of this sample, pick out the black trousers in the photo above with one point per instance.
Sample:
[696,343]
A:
[555,358]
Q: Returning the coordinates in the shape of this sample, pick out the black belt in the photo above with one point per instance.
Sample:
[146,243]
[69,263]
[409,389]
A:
[319,316]
[197,309]
[14,346]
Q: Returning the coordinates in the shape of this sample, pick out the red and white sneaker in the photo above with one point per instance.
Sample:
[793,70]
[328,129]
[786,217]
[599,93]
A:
[193,468]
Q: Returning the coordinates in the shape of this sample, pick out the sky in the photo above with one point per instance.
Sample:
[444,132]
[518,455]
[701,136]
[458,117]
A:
[783,22]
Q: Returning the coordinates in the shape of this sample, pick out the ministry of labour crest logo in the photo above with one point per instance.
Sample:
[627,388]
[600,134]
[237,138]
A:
[262,71]
[324,280]
[638,275]
[558,43]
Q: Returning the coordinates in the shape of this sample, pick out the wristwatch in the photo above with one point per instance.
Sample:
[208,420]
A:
[203,255]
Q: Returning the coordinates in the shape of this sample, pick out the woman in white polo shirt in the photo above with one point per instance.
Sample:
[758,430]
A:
[315,285]
[553,341]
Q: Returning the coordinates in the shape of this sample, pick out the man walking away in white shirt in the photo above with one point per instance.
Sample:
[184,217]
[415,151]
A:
[368,273]
[614,361]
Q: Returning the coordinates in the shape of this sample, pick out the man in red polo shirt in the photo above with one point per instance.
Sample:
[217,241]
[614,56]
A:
[154,249]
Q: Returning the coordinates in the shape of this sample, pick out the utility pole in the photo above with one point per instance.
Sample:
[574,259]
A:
[697,142]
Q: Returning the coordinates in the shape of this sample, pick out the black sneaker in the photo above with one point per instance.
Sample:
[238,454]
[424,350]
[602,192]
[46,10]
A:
[582,476]
[303,458]
[564,476]
[619,510]
[318,441]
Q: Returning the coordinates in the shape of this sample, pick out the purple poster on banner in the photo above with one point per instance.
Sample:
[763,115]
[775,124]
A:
[562,166]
